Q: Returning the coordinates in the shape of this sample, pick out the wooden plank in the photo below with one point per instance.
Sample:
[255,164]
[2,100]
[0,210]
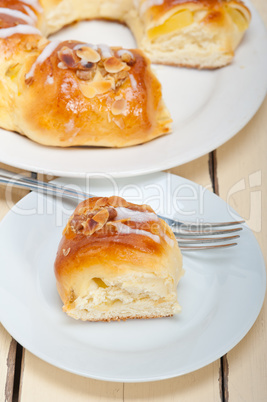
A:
[7,344]
[201,385]
[42,382]
[242,167]
[197,171]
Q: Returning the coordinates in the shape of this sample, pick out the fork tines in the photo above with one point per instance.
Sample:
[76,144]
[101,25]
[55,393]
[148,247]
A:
[209,247]
[205,237]
[183,232]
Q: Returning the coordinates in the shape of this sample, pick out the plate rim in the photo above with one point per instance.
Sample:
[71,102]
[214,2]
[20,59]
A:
[161,164]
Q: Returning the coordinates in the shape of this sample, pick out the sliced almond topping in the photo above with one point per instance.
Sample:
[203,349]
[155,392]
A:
[98,86]
[102,202]
[68,57]
[119,122]
[96,223]
[116,201]
[85,75]
[102,216]
[91,227]
[114,65]
[102,86]
[88,54]
[118,106]
[88,90]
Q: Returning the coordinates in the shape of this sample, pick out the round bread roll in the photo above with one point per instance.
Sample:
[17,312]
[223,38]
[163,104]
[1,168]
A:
[117,260]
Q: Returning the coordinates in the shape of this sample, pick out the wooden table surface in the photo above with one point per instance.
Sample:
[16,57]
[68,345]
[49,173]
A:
[237,171]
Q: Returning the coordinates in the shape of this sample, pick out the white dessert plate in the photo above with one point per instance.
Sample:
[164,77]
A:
[221,293]
[208,108]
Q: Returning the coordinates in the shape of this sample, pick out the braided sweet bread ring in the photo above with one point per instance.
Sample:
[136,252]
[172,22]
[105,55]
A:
[72,93]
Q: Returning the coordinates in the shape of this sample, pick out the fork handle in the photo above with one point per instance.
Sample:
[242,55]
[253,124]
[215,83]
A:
[19,180]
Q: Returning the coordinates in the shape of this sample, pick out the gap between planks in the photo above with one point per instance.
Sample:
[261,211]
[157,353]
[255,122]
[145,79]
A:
[14,363]
[19,354]
[224,367]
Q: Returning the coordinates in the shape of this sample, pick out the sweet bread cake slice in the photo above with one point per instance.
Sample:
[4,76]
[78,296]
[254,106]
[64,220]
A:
[117,260]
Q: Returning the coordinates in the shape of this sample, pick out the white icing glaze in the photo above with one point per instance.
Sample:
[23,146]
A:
[48,50]
[79,45]
[19,29]
[150,3]
[135,216]
[124,229]
[105,50]
[133,82]
[168,240]
[123,51]
[30,13]
[33,3]
[17,14]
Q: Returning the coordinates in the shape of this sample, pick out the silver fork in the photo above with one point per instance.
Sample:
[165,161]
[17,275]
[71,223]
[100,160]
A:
[190,236]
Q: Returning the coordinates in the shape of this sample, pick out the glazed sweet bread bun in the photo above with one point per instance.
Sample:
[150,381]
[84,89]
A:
[117,260]
[72,93]
[191,33]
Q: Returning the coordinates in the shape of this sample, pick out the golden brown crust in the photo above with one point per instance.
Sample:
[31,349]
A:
[93,103]
[95,235]
[158,10]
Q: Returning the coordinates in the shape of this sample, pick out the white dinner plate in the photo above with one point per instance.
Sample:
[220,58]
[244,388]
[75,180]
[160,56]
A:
[208,108]
[221,293]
